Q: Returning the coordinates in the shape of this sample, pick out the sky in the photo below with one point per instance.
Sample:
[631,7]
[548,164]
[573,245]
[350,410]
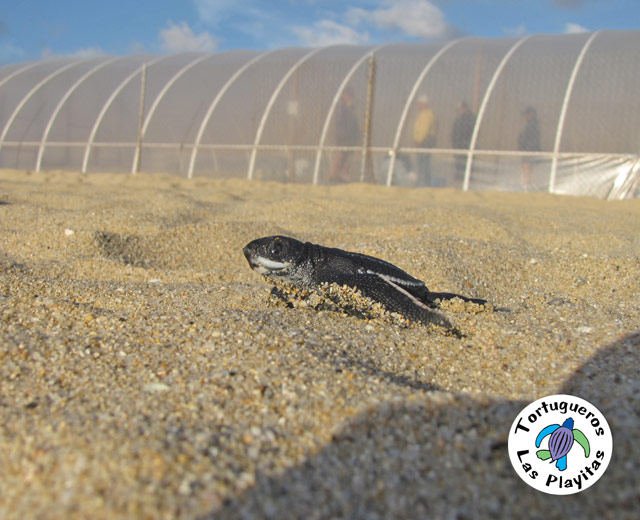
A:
[43,29]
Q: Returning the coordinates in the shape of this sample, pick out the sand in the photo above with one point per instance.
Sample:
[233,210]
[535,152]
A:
[145,371]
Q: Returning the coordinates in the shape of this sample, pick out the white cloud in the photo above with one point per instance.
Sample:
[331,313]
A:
[180,38]
[328,32]
[212,11]
[137,48]
[574,28]
[417,18]
[87,52]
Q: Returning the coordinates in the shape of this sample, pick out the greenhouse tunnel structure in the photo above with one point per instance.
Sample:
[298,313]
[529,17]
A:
[277,115]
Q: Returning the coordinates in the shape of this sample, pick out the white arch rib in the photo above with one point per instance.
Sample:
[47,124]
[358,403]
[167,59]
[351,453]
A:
[334,104]
[563,111]
[159,98]
[60,104]
[483,107]
[267,111]
[29,94]
[214,104]
[407,105]
[19,71]
[107,105]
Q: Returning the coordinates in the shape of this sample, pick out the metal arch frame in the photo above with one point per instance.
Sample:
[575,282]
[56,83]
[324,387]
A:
[29,94]
[18,71]
[272,100]
[563,111]
[483,107]
[410,98]
[332,107]
[214,104]
[159,98]
[61,103]
[107,105]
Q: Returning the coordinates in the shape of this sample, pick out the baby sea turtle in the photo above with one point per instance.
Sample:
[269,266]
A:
[560,442]
[308,265]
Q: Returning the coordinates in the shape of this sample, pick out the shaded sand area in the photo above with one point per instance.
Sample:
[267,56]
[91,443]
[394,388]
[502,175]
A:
[145,372]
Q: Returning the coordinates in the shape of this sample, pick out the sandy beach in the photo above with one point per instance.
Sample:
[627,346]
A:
[145,371]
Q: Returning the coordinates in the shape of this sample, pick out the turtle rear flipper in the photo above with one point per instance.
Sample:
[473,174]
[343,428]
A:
[543,454]
[562,463]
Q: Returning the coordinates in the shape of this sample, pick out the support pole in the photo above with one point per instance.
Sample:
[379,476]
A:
[366,164]
[143,83]
[483,107]
[563,112]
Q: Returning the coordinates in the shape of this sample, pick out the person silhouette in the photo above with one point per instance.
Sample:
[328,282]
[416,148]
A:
[424,136]
[529,141]
[461,137]
[347,134]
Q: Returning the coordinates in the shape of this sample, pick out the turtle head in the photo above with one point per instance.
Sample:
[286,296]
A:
[568,423]
[275,256]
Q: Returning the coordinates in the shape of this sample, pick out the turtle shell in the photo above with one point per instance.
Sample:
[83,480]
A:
[560,442]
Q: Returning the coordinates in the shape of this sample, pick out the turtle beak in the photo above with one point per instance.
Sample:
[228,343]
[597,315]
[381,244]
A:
[248,254]
[263,265]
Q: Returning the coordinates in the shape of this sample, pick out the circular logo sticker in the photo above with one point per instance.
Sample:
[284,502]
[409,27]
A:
[560,444]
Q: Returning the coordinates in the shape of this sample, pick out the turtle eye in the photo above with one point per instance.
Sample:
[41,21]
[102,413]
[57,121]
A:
[276,248]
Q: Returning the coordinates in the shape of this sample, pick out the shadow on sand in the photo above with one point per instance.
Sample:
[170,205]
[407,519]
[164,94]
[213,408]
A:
[446,457]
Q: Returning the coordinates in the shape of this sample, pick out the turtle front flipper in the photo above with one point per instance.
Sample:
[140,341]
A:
[582,441]
[546,431]
[382,289]
[431,297]
[396,298]
[562,463]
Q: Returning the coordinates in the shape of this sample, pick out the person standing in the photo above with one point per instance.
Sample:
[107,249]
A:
[347,134]
[461,138]
[424,136]
[529,141]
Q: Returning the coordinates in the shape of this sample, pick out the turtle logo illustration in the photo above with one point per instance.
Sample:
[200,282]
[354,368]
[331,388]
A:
[555,465]
[561,442]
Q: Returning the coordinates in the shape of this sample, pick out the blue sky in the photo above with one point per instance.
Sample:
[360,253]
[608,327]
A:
[36,29]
